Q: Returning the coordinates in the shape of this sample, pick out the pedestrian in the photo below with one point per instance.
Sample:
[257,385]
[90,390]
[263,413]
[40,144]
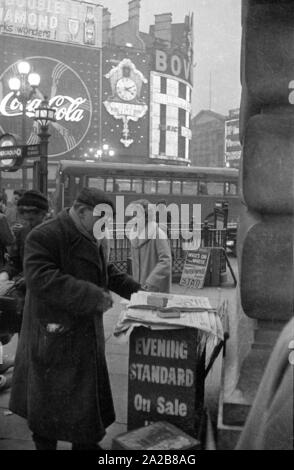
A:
[163,217]
[6,239]
[32,208]
[61,383]
[6,235]
[13,216]
[150,250]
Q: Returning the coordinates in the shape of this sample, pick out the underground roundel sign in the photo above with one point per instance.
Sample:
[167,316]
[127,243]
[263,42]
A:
[11,154]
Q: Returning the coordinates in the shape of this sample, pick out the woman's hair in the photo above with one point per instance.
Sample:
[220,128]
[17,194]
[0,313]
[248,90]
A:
[147,207]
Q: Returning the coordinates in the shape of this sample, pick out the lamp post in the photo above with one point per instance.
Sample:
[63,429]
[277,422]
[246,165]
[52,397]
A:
[24,88]
[44,114]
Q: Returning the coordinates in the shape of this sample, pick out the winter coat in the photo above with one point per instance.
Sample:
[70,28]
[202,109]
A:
[60,382]
[6,236]
[151,260]
[14,267]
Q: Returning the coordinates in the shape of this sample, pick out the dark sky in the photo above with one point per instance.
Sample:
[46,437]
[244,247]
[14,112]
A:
[217,38]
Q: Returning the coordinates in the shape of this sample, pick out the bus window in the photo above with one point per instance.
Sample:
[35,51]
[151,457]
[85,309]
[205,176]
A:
[66,181]
[189,188]
[137,186]
[202,188]
[215,189]
[122,185]
[96,183]
[231,189]
[109,185]
[73,189]
[149,187]
[163,187]
[176,187]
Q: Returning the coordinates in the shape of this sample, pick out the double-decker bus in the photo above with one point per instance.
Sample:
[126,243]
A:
[174,184]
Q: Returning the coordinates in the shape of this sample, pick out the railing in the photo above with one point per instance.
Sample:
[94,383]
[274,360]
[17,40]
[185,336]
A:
[120,248]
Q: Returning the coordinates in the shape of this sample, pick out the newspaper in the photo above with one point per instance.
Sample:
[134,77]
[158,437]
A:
[169,302]
[191,312]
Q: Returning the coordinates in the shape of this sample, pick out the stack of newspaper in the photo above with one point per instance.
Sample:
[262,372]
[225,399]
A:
[158,310]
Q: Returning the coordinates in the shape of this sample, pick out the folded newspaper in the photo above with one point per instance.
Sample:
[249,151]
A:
[169,302]
[145,309]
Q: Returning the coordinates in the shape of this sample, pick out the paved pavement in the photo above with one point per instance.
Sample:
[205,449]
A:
[14,433]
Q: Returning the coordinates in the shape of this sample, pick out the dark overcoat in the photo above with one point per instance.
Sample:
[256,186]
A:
[61,383]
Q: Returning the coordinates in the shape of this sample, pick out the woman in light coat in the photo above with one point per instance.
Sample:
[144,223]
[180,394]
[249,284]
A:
[150,251]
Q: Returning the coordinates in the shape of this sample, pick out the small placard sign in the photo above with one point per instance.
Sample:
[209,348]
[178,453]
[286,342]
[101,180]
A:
[195,268]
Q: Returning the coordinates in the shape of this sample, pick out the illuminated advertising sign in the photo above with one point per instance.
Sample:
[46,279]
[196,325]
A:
[11,154]
[70,80]
[55,20]
[125,100]
[172,63]
[170,118]
[232,140]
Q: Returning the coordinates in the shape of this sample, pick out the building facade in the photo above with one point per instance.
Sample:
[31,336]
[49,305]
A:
[163,64]
[111,86]
[62,41]
[208,139]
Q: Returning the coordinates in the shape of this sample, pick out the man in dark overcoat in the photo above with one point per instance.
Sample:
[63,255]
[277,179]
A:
[61,383]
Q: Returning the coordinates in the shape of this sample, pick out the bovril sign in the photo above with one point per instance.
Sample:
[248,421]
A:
[174,64]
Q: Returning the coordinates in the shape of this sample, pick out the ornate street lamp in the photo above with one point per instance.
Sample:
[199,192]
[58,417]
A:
[24,88]
[44,114]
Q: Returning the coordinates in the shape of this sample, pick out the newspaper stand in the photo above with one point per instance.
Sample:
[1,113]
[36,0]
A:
[170,357]
[166,378]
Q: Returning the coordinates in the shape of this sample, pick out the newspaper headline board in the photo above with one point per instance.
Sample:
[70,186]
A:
[195,268]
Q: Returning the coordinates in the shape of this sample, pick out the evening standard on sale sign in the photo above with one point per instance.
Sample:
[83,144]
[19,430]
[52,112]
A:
[54,20]
[166,378]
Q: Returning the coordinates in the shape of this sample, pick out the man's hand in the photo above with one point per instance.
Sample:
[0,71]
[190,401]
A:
[4,276]
[147,288]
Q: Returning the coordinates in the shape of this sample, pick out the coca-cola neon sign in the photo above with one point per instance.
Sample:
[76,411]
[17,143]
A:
[67,108]
[73,110]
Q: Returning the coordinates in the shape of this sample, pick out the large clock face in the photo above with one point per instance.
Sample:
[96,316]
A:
[126,89]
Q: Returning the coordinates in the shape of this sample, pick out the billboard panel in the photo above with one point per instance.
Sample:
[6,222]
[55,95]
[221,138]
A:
[232,140]
[70,78]
[170,117]
[125,108]
[69,21]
